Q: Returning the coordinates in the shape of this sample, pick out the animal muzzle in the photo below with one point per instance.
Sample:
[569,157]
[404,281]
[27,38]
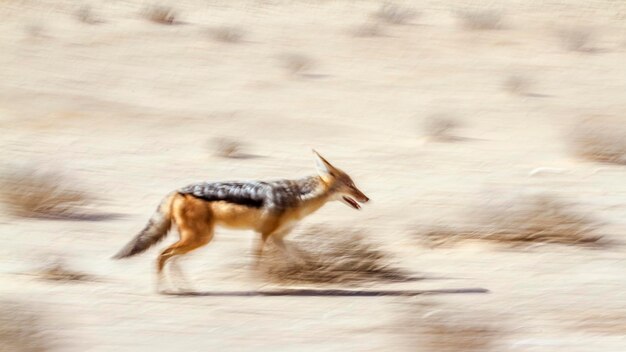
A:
[360,198]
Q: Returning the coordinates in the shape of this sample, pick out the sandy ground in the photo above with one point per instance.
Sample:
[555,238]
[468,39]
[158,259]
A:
[128,108]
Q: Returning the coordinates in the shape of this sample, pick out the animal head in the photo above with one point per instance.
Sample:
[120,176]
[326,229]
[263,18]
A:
[340,185]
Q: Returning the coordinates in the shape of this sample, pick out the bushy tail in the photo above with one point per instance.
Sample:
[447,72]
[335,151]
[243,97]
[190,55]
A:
[156,229]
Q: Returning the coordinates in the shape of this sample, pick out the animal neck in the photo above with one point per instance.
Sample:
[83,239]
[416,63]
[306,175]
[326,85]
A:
[314,193]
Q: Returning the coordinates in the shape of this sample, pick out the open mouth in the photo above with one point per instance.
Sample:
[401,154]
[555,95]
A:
[351,202]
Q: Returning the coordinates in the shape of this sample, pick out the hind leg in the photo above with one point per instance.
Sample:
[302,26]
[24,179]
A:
[176,272]
[195,224]
[190,240]
[288,251]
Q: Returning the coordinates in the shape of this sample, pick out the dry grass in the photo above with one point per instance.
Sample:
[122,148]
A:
[226,147]
[450,330]
[35,31]
[31,192]
[58,271]
[227,34]
[20,329]
[522,220]
[329,256]
[85,14]
[481,19]
[517,85]
[395,14]
[576,39]
[368,30]
[439,127]
[599,139]
[600,322]
[296,64]
[161,15]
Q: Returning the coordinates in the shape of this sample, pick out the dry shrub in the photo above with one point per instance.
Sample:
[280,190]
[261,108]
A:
[448,330]
[86,15]
[33,192]
[161,14]
[517,85]
[600,139]
[57,270]
[226,147]
[480,19]
[395,14]
[227,34]
[329,256]
[35,30]
[576,38]
[20,329]
[522,220]
[602,322]
[440,127]
[368,29]
[296,64]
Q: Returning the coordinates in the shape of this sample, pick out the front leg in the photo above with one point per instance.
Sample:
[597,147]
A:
[277,237]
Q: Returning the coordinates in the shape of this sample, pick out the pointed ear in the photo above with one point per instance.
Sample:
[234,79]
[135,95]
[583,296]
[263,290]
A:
[323,166]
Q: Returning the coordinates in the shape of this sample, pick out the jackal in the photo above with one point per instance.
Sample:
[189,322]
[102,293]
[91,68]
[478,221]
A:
[269,208]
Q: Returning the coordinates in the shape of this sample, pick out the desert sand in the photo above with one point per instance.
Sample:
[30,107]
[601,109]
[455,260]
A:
[129,109]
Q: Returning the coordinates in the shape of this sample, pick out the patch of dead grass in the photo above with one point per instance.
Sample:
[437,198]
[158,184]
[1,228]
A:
[440,127]
[327,256]
[20,329]
[58,271]
[522,220]
[368,30]
[610,322]
[395,14]
[599,139]
[85,14]
[444,329]
[227,34]
[161,15]
[32,192]
[296,64]
[226,147]
[483,19]
[576,38]
[517,85]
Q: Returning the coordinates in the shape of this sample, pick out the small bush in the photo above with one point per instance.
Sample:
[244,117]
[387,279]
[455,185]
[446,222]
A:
[369,29]
[440,127]
[20,329]
[58,271]
[227,34]
[35,31]
[394,14]
[576,39]
[86,15]
[296,64]
[517,85]
[599,139]
[446,329]
[480,19]
[161,15]
[226,147]
[522,220]
[329,256]
[32,192]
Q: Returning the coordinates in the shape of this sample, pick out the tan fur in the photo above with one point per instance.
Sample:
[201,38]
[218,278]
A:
[196,218]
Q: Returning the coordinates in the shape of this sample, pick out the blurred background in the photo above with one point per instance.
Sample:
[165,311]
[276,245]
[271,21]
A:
[490,136]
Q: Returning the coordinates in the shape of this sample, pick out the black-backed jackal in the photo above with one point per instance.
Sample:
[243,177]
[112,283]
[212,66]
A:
[269,208]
